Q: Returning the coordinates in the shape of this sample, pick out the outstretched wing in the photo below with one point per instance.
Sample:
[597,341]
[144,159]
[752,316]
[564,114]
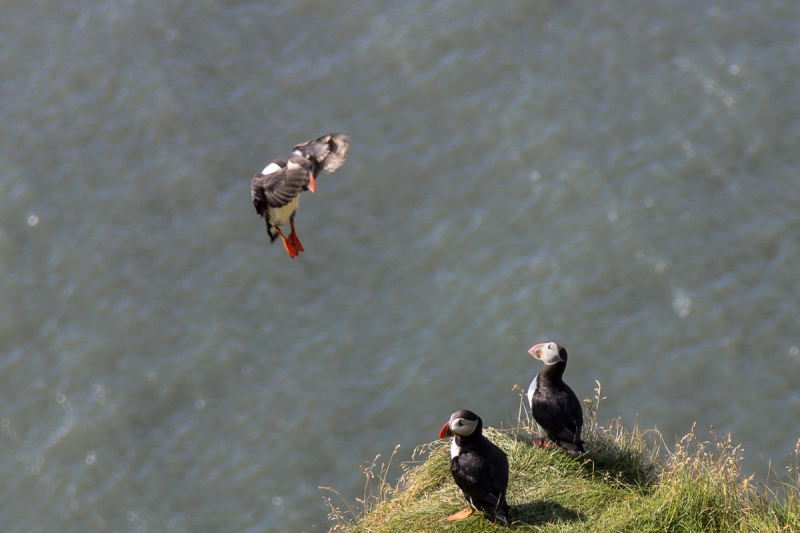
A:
[277,189]
[329,152]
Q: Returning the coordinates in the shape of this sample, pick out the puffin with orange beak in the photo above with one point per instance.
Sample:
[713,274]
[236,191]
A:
[276,191]
[554,405]
[479,467]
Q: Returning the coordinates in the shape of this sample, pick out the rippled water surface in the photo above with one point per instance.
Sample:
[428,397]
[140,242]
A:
[619,177]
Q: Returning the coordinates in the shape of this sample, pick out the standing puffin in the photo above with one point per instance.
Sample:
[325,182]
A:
[479,468]
[554,405]
[276,191]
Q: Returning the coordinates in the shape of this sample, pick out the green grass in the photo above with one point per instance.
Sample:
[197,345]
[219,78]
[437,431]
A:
[627,481]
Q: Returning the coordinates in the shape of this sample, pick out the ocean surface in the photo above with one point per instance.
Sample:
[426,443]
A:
[622,178]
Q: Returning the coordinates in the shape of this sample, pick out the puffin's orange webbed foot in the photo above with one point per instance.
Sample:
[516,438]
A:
[461,515]
[293,237]
[297,246]
[542,443]
[290,247]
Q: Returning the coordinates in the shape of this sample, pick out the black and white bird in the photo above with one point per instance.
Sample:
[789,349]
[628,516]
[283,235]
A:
[276,191]
[554,405]
[479,468]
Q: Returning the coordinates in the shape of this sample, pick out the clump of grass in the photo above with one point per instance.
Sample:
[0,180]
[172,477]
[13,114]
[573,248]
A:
[627,481]
[701,488]
[376,491]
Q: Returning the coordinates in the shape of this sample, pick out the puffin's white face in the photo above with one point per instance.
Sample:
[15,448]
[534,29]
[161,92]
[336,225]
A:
[462,426]
[547,352]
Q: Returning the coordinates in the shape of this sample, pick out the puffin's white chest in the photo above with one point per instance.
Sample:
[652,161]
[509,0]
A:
[455,449]
[279,215]
[532,390]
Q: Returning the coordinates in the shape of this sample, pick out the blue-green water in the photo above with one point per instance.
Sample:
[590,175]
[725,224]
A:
[620,177]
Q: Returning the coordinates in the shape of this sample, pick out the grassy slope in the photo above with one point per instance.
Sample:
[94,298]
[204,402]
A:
[617,486]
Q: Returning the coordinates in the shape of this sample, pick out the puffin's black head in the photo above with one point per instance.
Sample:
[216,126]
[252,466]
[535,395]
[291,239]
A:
[462,423]
[549,353]
[328,153]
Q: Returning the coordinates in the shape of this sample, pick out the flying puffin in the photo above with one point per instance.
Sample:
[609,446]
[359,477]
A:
[479,468]
[554,405]
[276,191]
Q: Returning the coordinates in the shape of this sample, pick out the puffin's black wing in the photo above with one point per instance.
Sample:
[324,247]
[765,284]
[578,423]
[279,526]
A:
[277,189]
[561,417]
[329,152]
[556,421]
[484,480]
[498,470]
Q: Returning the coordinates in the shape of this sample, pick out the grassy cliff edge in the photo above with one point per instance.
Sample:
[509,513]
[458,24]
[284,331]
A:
[625,482]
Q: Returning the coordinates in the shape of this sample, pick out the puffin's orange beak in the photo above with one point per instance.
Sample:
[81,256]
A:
[445,432]
[536,350]
[312,184]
